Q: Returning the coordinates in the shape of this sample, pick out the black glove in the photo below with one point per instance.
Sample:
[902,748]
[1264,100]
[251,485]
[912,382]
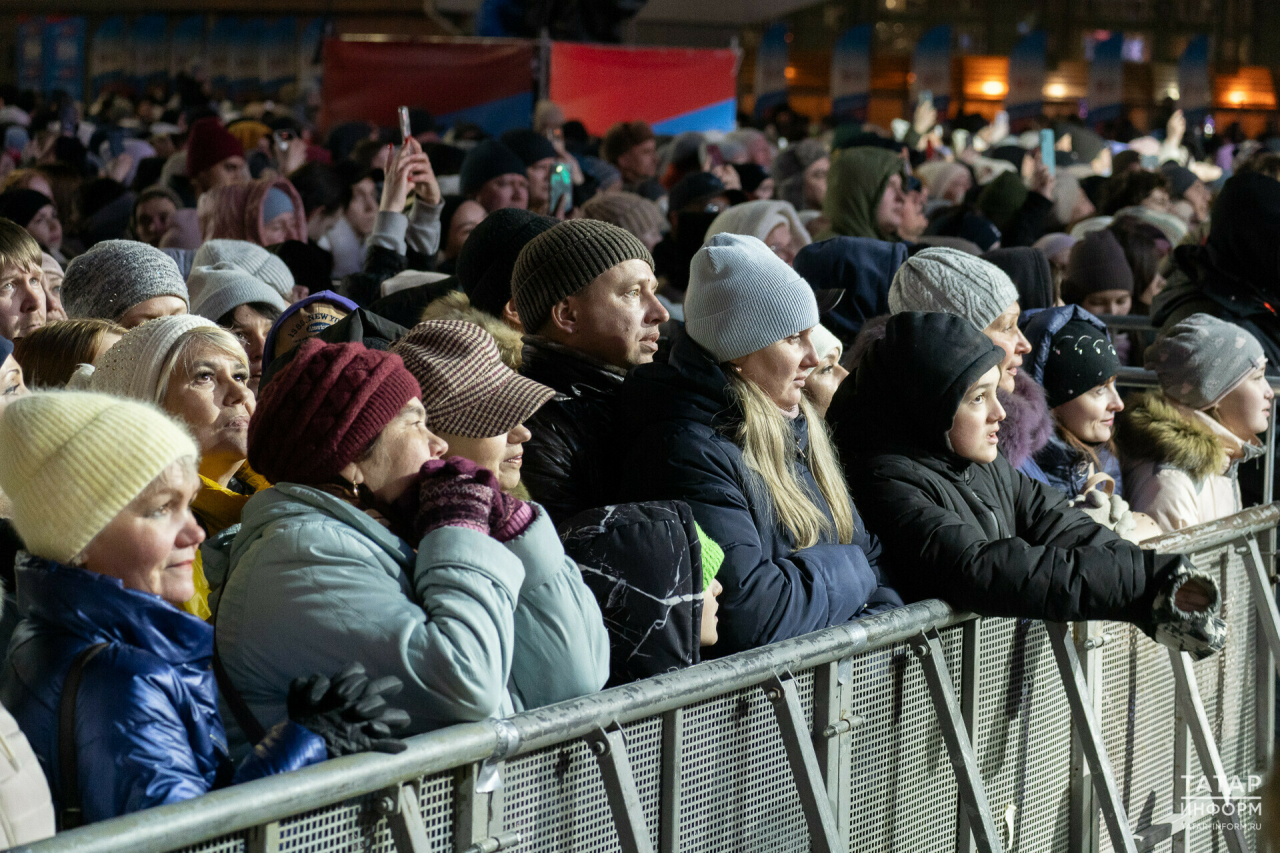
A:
[349,711]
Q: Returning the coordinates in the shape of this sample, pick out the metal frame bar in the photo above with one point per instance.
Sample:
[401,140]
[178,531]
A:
[670,784]
[610,749]
[404,818]
[1090,737]
[477,815]
[964,761]
[1264,600]
[1084,835]
[824,837]
[833,742]
[970,664]
[1188,693]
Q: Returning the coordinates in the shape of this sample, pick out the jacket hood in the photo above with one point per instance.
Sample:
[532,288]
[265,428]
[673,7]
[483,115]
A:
[690,386]
[909,385]
[1029,269]
[1040,325]
[861,267]
[1152,427]
[854,186]
[237,212]
[1027,425]
[98,608]
[643,563]
[1244,237]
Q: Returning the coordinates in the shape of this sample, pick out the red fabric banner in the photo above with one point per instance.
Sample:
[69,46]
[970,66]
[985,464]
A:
[601,85]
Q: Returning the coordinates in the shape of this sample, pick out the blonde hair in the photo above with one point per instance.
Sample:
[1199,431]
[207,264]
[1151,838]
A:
[768,448]
[18,248]
[215,337]
[51,353]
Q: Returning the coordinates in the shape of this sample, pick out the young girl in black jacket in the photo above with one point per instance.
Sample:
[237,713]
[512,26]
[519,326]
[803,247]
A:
[919,431]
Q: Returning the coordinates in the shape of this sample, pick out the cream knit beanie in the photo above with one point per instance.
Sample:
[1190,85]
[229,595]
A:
[948,281]
[132,367]
[72,461]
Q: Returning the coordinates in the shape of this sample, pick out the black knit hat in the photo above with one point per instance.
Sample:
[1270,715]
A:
[529,145]
[21,205]
[564,260]
[694,187]
[1080,357]
[489,255]
[488,160]
[1095,264]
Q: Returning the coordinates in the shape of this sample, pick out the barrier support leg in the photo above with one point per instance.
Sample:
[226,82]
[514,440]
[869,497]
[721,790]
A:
[1210,760]
[1084,804]
[833,725]
[610,748]
[1260,582]
[477,812]
[928,649]
[671,791]
[400,806]
[970,655]
[798,740]
[1090,736]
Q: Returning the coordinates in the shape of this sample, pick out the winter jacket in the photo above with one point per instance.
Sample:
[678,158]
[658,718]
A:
[1027,425]
[573,433]
[861,267]
[1182,465]
[147,722]
[980,536]
[405,307]
[643,561]
[26,807]
[678,422]
[473,627]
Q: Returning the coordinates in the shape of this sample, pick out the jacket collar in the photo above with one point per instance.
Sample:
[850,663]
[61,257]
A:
[338,509]
[561,367]
[99,608]
[218,507]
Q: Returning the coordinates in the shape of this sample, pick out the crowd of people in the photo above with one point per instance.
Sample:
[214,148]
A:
[307,447]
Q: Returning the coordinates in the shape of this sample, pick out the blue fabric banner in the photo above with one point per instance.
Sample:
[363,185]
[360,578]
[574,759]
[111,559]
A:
[1026,76]
[30,47]
[64,56]
[931,63]
[109,56]
[851,74]
[1195,90]
[1106,80]
[771,70]
[149,44]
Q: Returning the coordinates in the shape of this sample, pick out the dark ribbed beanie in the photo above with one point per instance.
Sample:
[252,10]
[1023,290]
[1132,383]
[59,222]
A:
[488,160]
[562,261]
[1096,263]
[489,255]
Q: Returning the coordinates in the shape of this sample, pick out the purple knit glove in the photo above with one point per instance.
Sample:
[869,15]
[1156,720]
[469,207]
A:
[455,492]
[510,517]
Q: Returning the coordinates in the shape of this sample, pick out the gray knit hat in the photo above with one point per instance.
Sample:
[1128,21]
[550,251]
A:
[132,367]
[565,259]
[115,275]
[948,281]
[1202,359]
[223,287]
[626,210]
[251,258]
[742,298]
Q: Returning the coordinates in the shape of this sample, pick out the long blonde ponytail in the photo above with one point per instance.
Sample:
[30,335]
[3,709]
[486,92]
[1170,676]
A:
[768,448]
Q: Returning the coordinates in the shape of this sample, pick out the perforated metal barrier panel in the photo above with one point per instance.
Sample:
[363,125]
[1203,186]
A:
[896,788]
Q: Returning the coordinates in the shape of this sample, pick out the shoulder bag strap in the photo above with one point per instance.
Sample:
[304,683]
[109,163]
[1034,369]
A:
[71,814]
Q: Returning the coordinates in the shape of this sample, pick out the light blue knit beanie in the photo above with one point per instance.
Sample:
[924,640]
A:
[742,298]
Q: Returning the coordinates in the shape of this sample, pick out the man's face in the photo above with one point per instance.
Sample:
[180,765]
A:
[616,317]
[539,175]
[640,162]
[509,190]
[229,172]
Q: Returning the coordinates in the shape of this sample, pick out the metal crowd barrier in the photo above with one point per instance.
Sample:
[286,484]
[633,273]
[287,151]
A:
[921,729]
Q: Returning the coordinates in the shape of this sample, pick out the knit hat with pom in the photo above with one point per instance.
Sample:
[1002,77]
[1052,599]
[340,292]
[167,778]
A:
[74,460]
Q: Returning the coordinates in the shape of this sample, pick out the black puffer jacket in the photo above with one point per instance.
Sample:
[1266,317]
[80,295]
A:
[573,433]
[980,536]
[676,437]
[643,561]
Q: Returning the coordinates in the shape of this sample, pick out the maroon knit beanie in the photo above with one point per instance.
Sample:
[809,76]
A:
[208,144]
[320,413]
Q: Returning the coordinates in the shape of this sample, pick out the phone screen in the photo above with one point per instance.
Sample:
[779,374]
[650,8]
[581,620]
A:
[1047,155]
[405,129]
[561,187]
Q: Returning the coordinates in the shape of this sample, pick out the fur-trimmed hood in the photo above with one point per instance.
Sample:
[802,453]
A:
[1154,428]
[456,306]
[1027,424]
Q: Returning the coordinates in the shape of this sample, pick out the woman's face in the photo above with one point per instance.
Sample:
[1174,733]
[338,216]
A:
[278,229]
[52,290]
[974,430]
[1246,411]
[1158,200]
[152,219]
[502,454]
[1091,417]
[403,447]
[209,392]
[1153,289]
[363,209]
[960,184]
[892,206]
[151,545]
[1004,333]
[779,242]
[465,219]
[815,183]
[46,228]
[252,329]
[1103,303]
[765,190]
[11,384]
[780,369]
[822,383]
[22,301]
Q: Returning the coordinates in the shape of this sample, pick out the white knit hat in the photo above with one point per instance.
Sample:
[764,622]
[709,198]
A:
[742,298]
[73,461]
[251,258]
[131,368]
[758,219]
[223,287]
[948,281]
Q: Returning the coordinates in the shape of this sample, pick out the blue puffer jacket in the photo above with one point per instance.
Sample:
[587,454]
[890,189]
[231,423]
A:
[681,448]
[147,726]
[1064,467]
[863,268]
